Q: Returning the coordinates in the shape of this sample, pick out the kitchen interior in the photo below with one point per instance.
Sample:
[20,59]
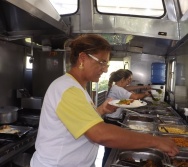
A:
[155,41]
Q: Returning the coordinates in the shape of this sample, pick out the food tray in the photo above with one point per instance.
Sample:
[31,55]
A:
[165,112]
[171,120]
[141,157]
[142,118]
[173,129]
[140,126]
[12,130]
[180,140]
[181,159]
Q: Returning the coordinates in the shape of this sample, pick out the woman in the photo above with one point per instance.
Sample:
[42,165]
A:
[122,78]
[71,127]
[117,89]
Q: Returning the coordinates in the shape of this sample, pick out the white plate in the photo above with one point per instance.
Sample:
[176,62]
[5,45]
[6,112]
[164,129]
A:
[134,104]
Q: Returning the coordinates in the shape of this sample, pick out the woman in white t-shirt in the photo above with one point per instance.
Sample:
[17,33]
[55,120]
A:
[71,126]
[117,89]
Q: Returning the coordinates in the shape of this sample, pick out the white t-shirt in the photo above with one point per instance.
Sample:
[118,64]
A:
[67,113]
[117,92]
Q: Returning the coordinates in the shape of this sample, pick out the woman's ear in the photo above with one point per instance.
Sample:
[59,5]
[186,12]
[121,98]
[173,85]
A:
[122,80]
[81,57]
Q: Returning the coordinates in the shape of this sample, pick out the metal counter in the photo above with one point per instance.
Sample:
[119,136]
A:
[164,110]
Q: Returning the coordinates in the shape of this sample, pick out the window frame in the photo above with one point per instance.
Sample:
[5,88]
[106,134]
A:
[68,14]
[141,16]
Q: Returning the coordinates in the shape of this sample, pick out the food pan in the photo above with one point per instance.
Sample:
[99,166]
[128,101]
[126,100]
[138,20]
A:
[171,120]
[180,140]
[141,126]
[180,160]
[142,118]
[172,129]
[12,130]
[141,157]
[165,112]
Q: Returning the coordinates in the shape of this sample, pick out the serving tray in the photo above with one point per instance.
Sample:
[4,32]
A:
[13,130]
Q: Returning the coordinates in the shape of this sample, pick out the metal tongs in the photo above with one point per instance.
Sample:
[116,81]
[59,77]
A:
[122,124]
[162,122]
[153,98]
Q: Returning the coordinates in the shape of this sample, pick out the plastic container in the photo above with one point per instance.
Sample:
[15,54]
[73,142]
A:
[158,73]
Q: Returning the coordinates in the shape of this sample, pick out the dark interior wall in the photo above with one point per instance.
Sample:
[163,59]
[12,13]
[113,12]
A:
[11,72]
[47,67]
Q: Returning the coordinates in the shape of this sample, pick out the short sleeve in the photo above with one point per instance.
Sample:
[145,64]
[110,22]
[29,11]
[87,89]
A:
[77,112]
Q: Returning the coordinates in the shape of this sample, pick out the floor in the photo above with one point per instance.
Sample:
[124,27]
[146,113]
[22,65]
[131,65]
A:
[98,162]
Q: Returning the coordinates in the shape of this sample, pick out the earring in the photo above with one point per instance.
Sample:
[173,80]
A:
[81,66]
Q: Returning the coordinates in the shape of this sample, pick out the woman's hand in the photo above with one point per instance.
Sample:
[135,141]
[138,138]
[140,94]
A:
[167,145]
[147,87]
[106,108]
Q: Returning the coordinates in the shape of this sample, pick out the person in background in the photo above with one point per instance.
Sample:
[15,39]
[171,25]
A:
[71,127]
[118,88]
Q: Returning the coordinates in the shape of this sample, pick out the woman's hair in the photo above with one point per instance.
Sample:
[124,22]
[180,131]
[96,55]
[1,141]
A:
[88,43]
[117,76]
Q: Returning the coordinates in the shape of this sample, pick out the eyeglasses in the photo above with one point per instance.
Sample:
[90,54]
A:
[102,63]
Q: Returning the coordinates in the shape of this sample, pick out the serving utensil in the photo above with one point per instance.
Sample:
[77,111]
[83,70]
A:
[123,124]
[153,98]
[162,122]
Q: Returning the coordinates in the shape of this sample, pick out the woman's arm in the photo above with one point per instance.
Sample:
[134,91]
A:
[106,108]
[137,96]
[132,88]
[116,137]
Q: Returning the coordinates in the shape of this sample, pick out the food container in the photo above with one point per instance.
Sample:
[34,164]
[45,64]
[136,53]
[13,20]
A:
[165,112]
[141,157]
[8,114]
[172,129]
[181,159]
[171,120]
[31,103]
[142,118]
[180,140]
[29,120]
[12,130]
[141,126]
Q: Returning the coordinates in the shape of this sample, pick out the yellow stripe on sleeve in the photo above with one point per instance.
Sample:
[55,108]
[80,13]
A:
[76,113]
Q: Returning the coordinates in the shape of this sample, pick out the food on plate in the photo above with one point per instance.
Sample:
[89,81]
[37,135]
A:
[126,101]
[8,129]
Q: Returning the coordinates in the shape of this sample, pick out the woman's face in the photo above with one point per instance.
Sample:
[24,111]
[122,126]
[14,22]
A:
[95,65]
[128,80]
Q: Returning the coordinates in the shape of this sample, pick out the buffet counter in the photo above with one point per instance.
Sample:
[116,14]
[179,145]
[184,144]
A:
[152,119]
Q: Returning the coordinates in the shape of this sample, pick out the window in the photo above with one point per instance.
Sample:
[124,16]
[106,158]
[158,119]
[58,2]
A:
[183,6]
[103,80]
[171,76]
[66,6]
[149,8]
[29,64]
